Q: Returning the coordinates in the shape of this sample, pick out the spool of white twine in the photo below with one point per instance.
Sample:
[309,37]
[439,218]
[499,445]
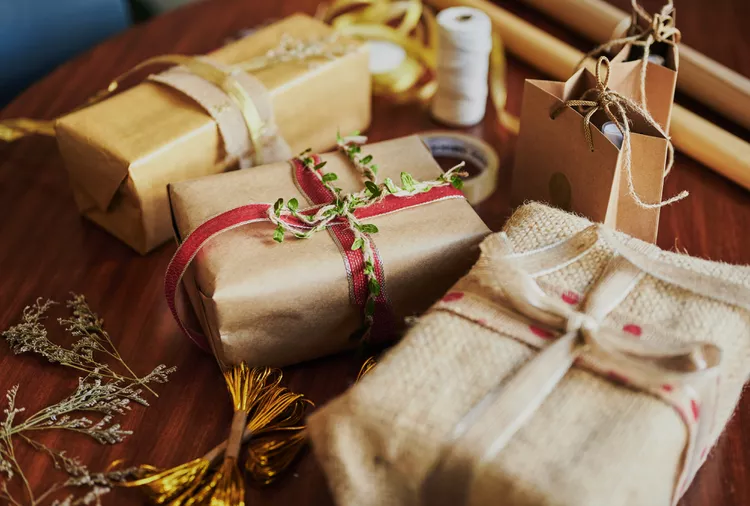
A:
[464,46]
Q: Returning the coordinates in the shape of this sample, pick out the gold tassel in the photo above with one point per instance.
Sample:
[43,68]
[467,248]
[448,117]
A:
[249,389]
[269,456]
[280,418]
[266,406]
[369,364]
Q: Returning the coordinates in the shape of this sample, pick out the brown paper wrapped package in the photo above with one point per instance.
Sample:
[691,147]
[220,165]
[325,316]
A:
[554,163]
[592,441]
[121,153]
[277,304]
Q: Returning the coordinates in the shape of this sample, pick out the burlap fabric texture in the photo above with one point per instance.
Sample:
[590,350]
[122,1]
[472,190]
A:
[593,441]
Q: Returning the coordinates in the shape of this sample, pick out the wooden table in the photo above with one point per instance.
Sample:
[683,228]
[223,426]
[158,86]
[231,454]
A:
[47,250]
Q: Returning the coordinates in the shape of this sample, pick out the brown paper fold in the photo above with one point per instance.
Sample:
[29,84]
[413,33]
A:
[276,304]
[122,152]
[554,163]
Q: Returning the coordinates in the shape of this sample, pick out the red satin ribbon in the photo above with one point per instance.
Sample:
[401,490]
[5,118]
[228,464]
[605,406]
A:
[318,195]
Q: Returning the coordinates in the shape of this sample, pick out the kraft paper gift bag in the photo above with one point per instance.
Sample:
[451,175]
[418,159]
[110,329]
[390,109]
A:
[573,366]
[563,157]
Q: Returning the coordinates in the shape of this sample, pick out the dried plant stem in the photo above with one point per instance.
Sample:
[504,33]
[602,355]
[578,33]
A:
[103,392]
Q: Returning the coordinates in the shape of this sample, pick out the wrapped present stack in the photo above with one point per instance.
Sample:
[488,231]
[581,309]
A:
[573,366]
[566,360]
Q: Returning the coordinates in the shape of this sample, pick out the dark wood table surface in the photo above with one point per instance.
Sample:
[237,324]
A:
[47,250]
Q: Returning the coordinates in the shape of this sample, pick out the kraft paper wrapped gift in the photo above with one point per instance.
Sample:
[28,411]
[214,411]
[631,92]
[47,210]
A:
[122,152]
[556,163]
[277,304]
[573,366]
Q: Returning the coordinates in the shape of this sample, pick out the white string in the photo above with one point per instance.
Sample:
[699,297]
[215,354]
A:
[464,46]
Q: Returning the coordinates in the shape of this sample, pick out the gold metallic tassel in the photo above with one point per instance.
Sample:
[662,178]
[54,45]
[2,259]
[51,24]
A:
[269,456]
[369,364]
[174,486]
[249,389]
[282,436]
[262,406]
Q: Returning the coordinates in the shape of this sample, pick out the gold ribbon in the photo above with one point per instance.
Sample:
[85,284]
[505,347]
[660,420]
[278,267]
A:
[412,26]
[13,129]
[616,107]
[502,294]
[644,30]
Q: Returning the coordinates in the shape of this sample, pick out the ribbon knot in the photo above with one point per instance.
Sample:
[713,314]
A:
[581,324]
[663,29]
[599,98]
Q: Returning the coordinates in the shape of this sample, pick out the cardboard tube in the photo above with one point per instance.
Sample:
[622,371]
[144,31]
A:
[698,138]
[704,79]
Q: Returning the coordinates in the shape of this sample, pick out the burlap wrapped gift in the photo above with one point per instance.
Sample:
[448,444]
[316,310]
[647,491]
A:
[629,424]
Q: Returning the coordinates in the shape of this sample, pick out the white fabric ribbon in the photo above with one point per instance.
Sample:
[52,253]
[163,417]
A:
[503,295]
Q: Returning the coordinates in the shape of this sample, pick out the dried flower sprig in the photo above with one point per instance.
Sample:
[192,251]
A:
[91,409]
[344,207]
[92,340]
[291,49]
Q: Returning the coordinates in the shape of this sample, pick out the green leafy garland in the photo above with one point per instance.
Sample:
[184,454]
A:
[343,206]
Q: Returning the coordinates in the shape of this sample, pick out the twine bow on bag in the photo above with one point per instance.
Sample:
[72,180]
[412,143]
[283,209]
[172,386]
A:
[643,31]
[616,107]
[502,294]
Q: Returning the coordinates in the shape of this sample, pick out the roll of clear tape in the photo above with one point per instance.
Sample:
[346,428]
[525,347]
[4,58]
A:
[475,152]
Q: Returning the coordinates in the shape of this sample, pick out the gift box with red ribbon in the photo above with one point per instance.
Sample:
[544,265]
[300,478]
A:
[372,234]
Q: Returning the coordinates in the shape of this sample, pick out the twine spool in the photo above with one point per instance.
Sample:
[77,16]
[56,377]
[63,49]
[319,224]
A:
[464,46]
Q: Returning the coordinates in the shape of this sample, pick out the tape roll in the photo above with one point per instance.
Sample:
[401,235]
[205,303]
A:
[475,152]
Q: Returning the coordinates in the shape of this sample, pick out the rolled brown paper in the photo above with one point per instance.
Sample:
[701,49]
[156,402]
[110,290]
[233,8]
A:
[704,79]
[691,134]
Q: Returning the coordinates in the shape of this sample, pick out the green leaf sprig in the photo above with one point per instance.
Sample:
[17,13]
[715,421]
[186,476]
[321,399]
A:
[344,206]
[351,146]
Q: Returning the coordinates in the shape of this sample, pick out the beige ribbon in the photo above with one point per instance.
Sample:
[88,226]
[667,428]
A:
[241,143]
[503,295]
[616,107]
[237,101]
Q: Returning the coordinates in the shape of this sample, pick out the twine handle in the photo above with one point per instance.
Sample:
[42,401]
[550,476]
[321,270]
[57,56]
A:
[661,28]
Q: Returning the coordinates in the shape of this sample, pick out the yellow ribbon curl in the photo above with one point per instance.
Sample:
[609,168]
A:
[412,26]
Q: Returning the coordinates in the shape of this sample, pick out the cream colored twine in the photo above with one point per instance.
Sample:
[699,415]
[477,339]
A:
[616,107]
